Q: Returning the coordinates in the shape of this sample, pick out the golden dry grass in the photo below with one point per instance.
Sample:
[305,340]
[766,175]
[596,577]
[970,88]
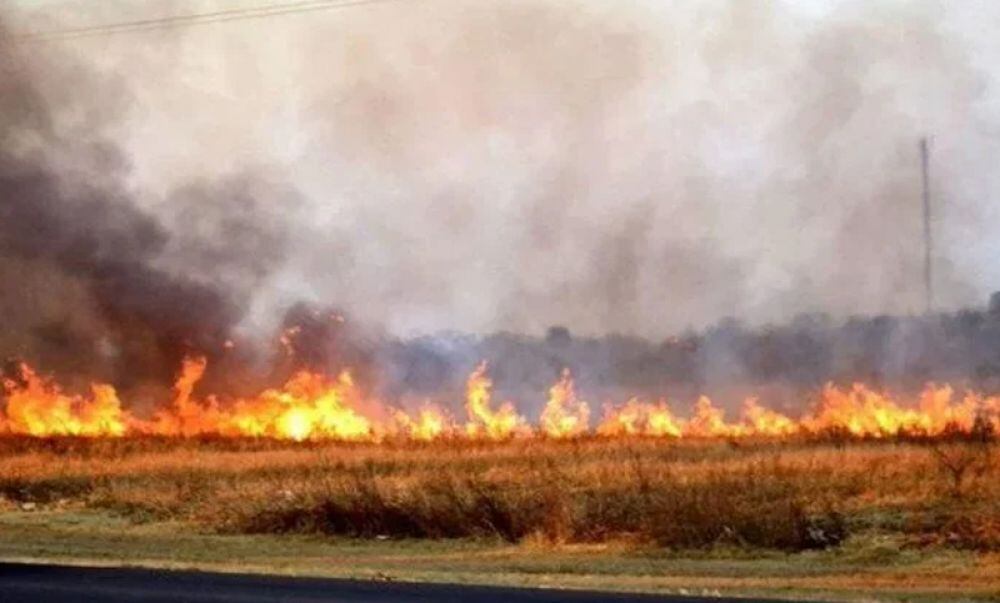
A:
[790,495]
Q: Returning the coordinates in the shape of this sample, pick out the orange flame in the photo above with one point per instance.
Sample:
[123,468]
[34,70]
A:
[861,411]
[761,421]
[638,418]
[707,421]
[429,424]
[564,416]
[483,420]
[311,406]
[38,407]
[308,406]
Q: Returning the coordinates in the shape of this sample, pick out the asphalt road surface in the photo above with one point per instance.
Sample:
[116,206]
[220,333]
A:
[58,584]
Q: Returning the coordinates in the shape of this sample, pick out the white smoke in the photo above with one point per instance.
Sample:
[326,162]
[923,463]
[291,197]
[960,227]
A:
[630,166]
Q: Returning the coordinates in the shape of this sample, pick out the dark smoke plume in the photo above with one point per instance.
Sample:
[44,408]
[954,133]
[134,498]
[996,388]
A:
[93,285]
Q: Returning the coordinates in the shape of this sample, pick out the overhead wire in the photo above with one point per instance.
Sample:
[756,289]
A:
[194,19]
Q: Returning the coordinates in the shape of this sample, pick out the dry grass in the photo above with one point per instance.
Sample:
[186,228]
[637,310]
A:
[790,495]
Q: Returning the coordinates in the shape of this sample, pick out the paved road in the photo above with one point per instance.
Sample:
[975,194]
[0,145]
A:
[58,584]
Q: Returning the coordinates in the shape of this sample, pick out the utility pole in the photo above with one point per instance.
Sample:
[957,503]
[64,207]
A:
[928,274]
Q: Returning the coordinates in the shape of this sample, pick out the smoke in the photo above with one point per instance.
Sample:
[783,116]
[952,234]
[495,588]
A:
[93,284]
[638,168]
[635,168]
[616,167]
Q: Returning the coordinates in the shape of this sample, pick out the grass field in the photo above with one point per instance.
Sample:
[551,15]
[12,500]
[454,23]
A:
[827,519]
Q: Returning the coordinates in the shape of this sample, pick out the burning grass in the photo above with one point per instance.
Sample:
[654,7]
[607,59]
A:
[316,456]
[789,495]
[313,406]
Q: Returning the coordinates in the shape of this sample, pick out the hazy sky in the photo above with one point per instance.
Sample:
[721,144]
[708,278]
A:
[632,166]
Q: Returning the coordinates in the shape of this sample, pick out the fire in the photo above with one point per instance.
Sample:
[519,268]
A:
[661,422]
[186,417]
[308,406]
[312,406]
[483,420]
[638,418]
[861,411]
[564,416]
[707,421]
[429,424]
[758,420]
[37,407]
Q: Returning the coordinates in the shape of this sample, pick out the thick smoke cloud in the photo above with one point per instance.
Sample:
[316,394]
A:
[636,168]
[94,286]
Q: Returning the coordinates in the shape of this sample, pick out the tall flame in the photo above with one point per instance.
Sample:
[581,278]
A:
[483,420]
[564,416]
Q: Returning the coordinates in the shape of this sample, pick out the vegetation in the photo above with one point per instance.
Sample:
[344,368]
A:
[835,518]
[788,495]
[862,569]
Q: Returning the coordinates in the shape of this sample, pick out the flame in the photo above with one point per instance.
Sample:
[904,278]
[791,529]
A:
[312,406]
[37,407]
[861,411]
[187,417]
[483,420]
[639,418]
[758,420]
[308,406]
[429,424]
[708,421]
[564,416]
[661,422]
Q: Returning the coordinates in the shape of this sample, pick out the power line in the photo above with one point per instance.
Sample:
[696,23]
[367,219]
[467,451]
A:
[180,21]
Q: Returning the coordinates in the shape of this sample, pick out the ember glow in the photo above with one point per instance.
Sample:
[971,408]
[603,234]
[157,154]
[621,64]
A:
[313,406]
